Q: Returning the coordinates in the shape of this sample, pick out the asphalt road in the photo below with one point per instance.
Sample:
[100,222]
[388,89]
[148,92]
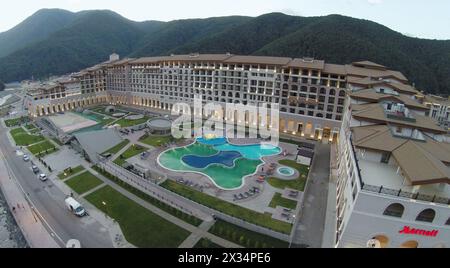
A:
[49,201]
[308,232]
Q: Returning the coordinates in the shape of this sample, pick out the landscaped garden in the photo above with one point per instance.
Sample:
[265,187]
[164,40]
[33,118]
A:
[236,211]
[156,141]
[296,184]
[84,182]
[245,237]
[117,148]
[124,122]
[70,171]
[132,151]
[140,226]
[16,121]
[206,243]
[278,200]
[43,148]
[157,203]
[22,138]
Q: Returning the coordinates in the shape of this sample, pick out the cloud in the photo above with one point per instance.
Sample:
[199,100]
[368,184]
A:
[375,2]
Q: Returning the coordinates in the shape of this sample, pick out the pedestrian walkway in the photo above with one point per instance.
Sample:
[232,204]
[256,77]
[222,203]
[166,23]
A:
[330,220]
[193,229]
[26,217]
[194,237]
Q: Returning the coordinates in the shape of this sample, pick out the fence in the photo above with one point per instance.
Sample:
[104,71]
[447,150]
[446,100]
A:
[405,194]
[180,202]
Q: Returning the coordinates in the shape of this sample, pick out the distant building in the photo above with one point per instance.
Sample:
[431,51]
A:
[310,92]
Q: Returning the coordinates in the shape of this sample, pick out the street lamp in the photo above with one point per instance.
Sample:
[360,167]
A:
[293,226]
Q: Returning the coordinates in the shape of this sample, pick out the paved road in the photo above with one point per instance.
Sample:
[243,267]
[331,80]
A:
[49,201]
[310,227]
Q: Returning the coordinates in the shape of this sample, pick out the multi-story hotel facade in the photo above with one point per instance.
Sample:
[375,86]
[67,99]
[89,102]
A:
[394,170]
[310,93]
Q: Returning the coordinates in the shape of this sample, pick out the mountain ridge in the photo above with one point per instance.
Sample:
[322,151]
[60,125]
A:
[88,37]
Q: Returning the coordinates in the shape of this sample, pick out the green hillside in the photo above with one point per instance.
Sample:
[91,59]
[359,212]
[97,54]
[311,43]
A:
[85,38]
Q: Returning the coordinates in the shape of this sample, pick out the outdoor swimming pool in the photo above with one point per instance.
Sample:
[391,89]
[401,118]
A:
[224,163]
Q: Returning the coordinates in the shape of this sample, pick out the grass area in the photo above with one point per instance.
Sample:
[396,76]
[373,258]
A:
[16,121]
[278,200]
[70,171]
[129,123]
[117,148]
[132,151]
[296,184]
[22,138]
[206,243]
[156,141]
[236,211]
[157,203]
[30,126]
[43,148]
[290,141]
[56,140]
[245,237]
[140,226]
[83,182]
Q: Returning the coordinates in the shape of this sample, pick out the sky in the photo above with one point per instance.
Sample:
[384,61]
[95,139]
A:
[417,18]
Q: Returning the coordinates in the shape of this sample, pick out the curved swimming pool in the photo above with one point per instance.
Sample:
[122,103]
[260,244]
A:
[225,164]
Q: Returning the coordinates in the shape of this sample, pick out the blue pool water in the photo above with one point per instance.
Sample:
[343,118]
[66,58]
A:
[213,142]
[224,158]
[253,152]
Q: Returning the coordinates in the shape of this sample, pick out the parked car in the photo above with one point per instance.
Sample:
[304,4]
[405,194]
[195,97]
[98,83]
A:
[43,177]
[26,158]
[35,169]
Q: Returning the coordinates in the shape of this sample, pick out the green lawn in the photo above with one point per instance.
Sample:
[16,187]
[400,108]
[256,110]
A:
[129,123]
[30,126]
[296,184]
[157,203]
[236,211]
[83,182]
[69,173]
[16,121]
[117,148]
[22,138]
[140,226]
[42,148]
[206,243]
[57,141]
[156,141]
[278,200]
[132,151]
[245,237]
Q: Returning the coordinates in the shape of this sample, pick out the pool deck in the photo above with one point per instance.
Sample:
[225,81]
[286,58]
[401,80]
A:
[259,202]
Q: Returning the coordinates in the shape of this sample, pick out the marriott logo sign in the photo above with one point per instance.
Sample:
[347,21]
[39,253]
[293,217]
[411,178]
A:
[414,231]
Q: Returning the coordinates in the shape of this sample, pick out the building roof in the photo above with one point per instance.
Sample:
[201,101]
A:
[423,162]
[259,60]
[97,142]
[374,112]
[437,100]
[420,166]
[371,95]
[369,64]
[307,63]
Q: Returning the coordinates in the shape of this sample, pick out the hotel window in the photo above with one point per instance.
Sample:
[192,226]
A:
[398,129]
[426,215]
[394,210]
[385,156]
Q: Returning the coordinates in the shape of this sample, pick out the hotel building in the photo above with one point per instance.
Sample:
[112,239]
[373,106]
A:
[394,170]
[311,93]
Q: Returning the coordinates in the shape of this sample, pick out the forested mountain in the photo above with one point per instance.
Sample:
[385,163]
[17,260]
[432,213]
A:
[85,38]
[2,86]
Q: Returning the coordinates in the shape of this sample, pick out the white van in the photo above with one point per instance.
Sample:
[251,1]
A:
[75,207]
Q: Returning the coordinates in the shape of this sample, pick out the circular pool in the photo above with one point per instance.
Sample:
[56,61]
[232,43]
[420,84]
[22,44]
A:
[286,171]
